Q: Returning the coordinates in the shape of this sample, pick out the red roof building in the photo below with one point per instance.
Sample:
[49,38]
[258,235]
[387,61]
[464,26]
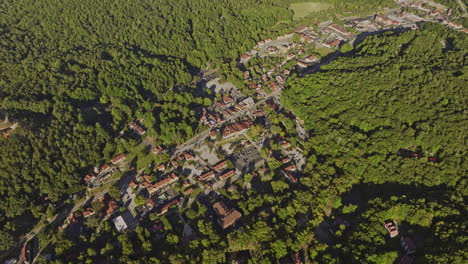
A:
[226,216]
[119,158]
[206,176]
[166,206]
[137,128]
[220,166]
[227,174]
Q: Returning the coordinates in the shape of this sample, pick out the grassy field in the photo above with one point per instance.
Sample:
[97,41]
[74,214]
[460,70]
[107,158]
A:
[306,8]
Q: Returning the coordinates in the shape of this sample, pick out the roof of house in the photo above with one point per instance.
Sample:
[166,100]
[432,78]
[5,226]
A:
[220,166]
[226,216]
[118,158]
[206,175]
[227,174]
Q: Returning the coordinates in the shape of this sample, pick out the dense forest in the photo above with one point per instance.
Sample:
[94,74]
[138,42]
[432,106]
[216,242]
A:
[393,94]
[74,73]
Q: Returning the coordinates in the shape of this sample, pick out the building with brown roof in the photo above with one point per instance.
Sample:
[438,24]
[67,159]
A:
[227,174]
[164,208]
[392,228]
[162,183]
[206,176]
[134,126]
[226,216]
[220,166]
[235,129]
[119,158]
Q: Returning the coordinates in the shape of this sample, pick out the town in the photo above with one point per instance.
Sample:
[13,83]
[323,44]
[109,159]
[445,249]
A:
[248,137]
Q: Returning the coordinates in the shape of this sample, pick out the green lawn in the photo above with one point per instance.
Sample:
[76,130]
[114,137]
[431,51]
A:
[306,8]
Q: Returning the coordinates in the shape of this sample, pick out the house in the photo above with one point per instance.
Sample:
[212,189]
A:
[105,168]
[385,21]
[157,149]
[261,93]
[124,221]
[340,30]
[132,184]
[220,166]
[273,86]
[279,79]
[213,134]
[174,164]
[452,24]
[311,59]
[232,130]
[137,128]
[227,174]
[289,176]
[89,212]
[302,64]
[290,168]
[161,167]
[206,176]
[290,56]
[300,29]
[111,207]
[118,159]
[246,75]
[408,153]
[392,228]
[408,245]
[162,183]
[164,208]
[226,216]
[332,44]
[245,57]
[188,156]
[88,178]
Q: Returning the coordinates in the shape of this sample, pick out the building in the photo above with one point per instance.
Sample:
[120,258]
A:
[332,44]
[111,207]
[302,64]
[289,176]
[134,126]
[227,174]
[392,228]
[165,207]
[226,216]
[220,166]
[159,185]
[124,221]
[340,30]
[233,130]
[206,176]
[157,149]
[118,159]
[311,59]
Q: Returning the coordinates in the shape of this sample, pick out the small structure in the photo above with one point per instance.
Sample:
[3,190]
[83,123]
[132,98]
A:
[392,227]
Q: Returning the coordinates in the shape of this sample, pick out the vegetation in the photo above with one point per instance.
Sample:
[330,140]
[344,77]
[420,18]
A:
[392,92]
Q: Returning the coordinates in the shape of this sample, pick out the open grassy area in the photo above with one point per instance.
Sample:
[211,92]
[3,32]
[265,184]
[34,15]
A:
[306,8]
